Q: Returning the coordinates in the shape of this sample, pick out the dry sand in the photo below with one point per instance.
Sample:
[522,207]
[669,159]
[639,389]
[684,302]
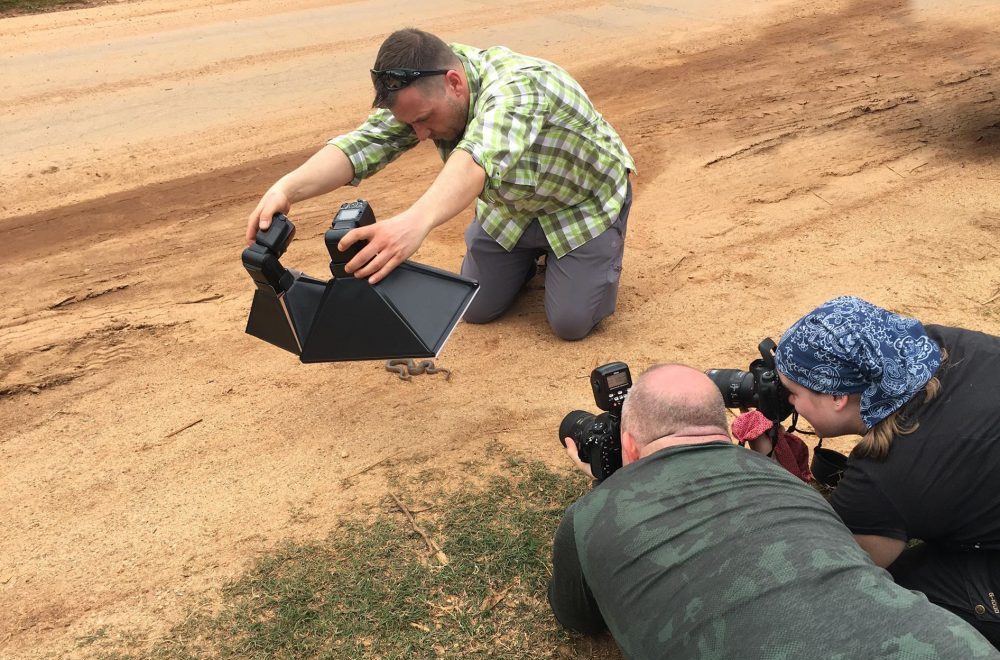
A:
[788,152]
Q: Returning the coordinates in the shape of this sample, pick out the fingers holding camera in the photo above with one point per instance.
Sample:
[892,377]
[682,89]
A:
[273,201]
[390,243]
[762,444]
[325,171]
[574,456]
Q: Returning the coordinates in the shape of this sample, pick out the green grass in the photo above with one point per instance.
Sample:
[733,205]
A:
[375,590]
[12,7]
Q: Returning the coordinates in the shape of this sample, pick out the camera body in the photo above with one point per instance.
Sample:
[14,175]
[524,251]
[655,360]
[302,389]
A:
[598,437]
[759,387]
[350,216]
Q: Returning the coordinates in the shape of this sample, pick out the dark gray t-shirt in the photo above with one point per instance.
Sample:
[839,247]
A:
[713,551]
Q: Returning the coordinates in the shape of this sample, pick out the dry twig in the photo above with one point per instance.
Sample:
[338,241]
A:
[677,263]
[431,545]
[183,428]
[201,300]
[375,464]
[995,296]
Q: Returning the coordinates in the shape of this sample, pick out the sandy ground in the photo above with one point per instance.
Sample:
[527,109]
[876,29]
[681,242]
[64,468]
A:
[149,449]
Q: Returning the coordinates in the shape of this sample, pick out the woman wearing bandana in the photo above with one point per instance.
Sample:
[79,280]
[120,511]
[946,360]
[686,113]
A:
[926,401]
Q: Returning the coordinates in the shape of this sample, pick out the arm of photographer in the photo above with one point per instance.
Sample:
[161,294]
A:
[392,241]
[570,598]
[882,549]
[327,169]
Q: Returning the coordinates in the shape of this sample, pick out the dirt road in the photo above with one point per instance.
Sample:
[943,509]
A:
[149,449]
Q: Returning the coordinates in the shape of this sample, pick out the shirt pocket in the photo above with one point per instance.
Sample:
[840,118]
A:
[518,184]
[982,582]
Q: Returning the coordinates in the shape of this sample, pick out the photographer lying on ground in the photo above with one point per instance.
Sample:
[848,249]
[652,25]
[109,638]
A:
[698,548]
[927,403]
[550,174]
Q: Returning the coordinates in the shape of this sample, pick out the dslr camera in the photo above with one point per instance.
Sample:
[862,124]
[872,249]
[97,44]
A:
[598,437]
[758,387]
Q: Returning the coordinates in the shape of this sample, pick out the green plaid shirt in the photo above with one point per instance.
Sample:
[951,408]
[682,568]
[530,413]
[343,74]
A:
[548,154]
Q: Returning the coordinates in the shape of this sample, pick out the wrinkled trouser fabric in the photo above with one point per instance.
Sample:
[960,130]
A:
[966,583]
[581,288]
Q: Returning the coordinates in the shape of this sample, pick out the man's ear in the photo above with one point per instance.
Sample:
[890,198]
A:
[630,450]
[454,82]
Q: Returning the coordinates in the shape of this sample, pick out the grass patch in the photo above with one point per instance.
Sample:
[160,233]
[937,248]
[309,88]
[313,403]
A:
[376,591]
[15,7]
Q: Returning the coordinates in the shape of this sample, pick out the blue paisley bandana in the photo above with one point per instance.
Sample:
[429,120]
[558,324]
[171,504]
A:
[848,345]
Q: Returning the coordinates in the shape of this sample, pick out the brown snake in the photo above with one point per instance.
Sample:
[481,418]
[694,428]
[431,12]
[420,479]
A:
[407,368]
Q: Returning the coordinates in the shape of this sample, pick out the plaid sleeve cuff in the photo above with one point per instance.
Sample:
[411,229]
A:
[375,144]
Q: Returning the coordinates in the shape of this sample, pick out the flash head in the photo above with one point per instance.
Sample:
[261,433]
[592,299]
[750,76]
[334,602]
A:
[610,383]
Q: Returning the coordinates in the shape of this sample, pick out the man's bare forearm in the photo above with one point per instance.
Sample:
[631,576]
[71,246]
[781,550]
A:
[392,241]
[327,169]
[459,183]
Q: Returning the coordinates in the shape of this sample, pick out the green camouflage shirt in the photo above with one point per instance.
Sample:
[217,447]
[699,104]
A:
[714,552]
[547,153]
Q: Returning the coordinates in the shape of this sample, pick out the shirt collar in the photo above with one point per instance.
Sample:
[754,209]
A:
[474,80]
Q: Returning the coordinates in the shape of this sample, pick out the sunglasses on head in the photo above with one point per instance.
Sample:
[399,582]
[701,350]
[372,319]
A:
[393,79]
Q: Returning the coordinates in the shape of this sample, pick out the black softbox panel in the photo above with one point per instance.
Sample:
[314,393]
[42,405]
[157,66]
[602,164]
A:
[410,313]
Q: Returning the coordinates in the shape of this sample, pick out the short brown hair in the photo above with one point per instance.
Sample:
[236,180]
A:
[410,48]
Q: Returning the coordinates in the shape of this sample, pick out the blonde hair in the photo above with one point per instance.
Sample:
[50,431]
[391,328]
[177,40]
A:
[876,443]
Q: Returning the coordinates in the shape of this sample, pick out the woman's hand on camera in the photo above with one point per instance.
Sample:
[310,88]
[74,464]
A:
[574,455]
[762,444]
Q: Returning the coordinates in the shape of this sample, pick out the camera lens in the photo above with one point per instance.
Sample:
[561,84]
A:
[737,387]
[575,425]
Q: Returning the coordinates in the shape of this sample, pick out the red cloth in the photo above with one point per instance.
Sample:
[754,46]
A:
[790,451]
[793,454]
[750,425]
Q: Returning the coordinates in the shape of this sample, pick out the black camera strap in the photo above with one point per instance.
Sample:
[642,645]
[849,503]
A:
[773,433]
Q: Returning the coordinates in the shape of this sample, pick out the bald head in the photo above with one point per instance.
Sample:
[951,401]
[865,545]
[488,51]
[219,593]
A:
[673,399]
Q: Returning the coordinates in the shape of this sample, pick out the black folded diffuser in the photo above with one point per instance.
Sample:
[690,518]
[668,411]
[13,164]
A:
[409,313]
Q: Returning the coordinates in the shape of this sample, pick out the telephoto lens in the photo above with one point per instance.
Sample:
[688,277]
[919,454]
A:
[738,387]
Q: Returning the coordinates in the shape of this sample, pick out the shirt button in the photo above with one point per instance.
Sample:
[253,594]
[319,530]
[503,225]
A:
[980,610]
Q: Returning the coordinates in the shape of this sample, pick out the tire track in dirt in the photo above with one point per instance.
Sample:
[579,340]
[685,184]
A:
[61,362]
[271,58]
[780,115]
[811,140]
[718,256]
[294,90]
